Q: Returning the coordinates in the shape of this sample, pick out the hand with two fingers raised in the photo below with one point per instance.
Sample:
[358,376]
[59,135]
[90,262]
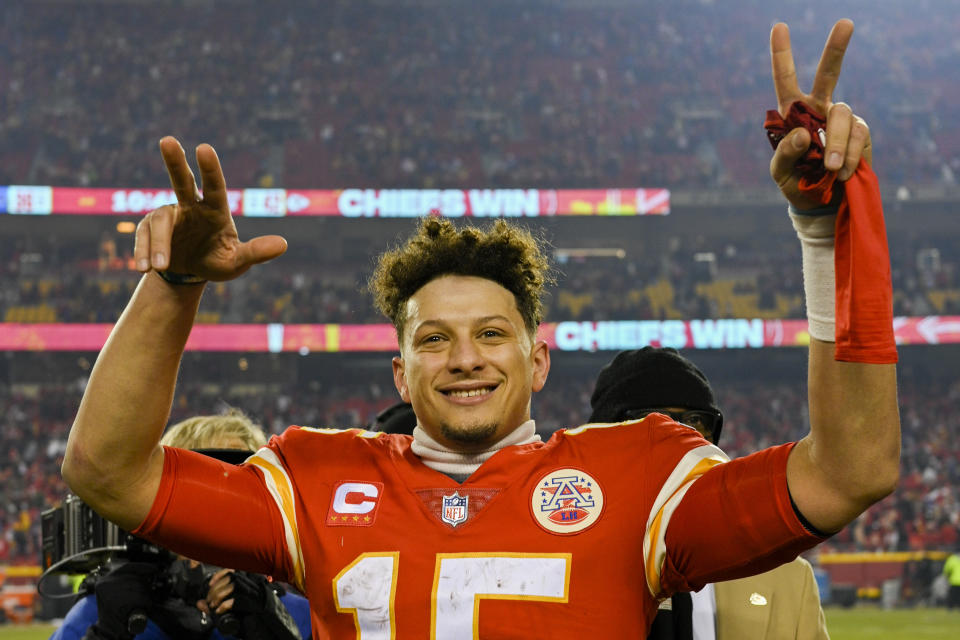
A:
[197,236]
[847,137]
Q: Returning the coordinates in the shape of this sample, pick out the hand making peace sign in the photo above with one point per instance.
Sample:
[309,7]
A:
[847,135]
[197,235]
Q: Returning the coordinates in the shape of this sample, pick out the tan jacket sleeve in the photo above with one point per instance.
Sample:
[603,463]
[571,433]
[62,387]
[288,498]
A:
[782,604]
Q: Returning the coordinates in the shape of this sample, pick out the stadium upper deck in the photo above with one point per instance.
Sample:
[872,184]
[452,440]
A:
[433,94]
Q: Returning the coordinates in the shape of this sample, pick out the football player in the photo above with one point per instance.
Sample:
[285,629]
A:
[472,527]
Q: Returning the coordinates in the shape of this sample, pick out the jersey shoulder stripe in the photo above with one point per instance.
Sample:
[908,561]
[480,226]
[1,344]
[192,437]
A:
[603,425]
[281,489]
[691,466]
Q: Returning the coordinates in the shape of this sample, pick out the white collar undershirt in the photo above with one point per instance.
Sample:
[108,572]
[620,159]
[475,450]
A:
[461,465]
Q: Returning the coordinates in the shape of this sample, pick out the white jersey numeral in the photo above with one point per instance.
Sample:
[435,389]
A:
[367,588]
[462,580]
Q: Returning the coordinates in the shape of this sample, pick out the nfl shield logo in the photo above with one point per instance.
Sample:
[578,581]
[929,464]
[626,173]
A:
[453,510]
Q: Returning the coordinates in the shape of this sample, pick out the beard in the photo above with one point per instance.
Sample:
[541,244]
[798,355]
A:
[468,434]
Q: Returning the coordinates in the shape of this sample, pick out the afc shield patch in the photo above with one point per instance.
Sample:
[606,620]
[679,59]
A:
[453,509]
[566,501]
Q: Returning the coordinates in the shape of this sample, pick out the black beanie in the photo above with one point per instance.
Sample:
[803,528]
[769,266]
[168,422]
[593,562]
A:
[648,378]
[398,418]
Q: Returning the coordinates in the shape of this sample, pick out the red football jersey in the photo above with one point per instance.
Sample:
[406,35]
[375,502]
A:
[576,537]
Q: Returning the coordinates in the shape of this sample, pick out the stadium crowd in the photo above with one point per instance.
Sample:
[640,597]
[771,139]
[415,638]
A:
[923,514]
[546,94]
[749,277]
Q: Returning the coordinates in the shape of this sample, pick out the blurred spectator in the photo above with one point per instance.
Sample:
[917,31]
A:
[951,569]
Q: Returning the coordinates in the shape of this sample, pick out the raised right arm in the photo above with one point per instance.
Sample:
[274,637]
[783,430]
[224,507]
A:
[113,460]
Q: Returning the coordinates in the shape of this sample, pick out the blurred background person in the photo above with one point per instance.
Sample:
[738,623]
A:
[210,602]
[779,604]
[397,418]
[951,569]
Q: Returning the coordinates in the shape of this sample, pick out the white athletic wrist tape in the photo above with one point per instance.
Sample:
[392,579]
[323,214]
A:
[819,280]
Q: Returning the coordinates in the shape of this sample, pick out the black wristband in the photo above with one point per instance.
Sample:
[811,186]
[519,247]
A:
[180,278]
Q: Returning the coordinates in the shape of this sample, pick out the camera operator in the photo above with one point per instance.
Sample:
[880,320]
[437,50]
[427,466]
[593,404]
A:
[183,599]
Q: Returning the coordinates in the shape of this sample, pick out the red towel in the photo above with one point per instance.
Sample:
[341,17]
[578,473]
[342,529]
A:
[864,293]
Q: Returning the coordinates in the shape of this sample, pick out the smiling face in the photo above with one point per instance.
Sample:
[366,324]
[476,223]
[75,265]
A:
[468,364]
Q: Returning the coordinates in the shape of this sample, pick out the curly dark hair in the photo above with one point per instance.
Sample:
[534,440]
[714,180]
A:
[506,254]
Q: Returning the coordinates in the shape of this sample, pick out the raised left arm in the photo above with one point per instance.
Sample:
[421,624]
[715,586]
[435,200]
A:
[850,458]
